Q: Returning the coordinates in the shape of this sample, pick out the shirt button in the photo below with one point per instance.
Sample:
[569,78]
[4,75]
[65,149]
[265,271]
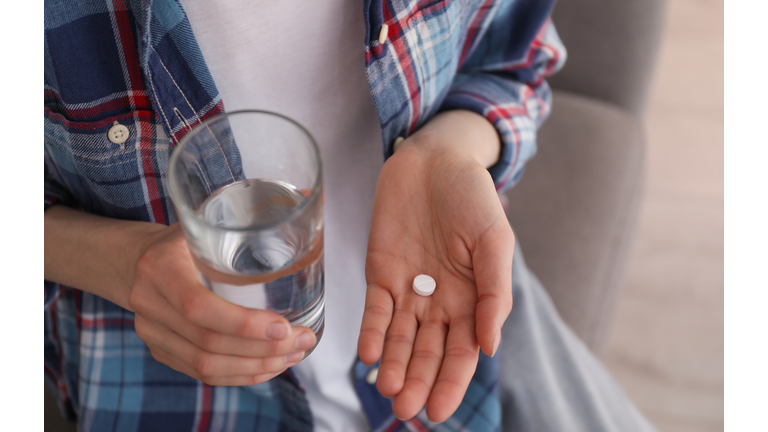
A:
[118,133]
[397,143]
[372,375]
[383,33]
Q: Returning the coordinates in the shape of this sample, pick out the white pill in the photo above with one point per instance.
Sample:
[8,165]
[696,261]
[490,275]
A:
[424,285]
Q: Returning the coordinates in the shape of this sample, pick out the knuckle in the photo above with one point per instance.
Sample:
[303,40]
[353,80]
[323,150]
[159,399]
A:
[273,365]
[138,299]
[192,305]
[505,303]
[451,382]
[275,348]
[157,356]
[461,353]
[141,327]
[248,325]
[374,332]
[270,364]
[210,380]
[418,379]
[404,315]
[429,356]
[204,364]
[509,234]
[147,261]
[392,363]
[135,300]
[378,310]
[399,339]
[209,340]
[508,305]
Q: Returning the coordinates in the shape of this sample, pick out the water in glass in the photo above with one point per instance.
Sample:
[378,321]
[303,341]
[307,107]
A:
[279,267]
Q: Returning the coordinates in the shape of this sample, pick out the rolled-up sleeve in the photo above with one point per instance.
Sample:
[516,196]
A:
[502,79]
[56,193]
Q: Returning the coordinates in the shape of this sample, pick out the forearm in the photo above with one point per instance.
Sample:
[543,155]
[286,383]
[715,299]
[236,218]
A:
[93,253]
[458,130]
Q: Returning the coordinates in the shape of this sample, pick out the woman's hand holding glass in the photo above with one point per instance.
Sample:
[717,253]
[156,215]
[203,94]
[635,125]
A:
[194,331]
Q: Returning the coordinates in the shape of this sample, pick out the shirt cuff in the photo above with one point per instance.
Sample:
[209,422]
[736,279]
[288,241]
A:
[513,108]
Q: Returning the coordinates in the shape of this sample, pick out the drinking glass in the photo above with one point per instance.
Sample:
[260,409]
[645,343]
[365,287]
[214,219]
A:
[247,187]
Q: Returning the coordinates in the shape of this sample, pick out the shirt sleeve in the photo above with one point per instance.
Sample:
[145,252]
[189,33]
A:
[54,194]
[502,79]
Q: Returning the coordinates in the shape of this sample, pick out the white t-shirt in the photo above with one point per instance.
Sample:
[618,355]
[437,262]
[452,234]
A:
[305,59]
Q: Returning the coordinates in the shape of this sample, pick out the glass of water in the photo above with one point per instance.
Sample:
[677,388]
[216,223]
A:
[247,187]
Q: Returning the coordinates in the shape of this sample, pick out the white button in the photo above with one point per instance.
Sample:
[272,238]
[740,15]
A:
[383,33]
[424,285]
[372,375]
[397,143]
[118,133]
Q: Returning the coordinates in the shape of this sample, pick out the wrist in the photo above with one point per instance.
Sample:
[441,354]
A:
[458,131]
[93,253]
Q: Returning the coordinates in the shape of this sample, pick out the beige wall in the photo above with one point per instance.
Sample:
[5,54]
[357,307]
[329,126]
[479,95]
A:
[667,345]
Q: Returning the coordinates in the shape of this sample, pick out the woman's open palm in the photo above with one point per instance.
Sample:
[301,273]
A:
[435,213]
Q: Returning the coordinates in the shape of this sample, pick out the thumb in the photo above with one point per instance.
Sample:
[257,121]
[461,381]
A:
[492,262]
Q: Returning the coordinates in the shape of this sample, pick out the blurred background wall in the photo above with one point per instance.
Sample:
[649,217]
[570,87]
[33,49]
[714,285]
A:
[666,346]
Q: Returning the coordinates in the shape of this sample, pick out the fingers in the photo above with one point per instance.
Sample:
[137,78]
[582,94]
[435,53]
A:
[424,365]
[458,366]
[376,318]
[204,308]
[300,339]
[235,380]
[167,268]
[397,353]
[206,366]
[492,261]
[191,329]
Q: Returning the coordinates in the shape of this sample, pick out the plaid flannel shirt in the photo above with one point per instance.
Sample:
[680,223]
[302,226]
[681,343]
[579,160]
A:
[137,63]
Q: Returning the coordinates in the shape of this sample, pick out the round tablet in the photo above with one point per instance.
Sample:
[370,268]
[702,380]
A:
[424,285]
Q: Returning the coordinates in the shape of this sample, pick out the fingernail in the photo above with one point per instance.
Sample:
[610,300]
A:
[305,341]
[496,342]
[278,331]
[295,357]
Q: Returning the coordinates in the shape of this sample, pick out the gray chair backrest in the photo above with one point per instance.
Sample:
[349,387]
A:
[612,47]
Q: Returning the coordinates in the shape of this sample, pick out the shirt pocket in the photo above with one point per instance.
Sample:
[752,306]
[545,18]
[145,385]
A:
[121,180]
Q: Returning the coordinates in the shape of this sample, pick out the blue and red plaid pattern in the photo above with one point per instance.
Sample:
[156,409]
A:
[485,56]
[136,63]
